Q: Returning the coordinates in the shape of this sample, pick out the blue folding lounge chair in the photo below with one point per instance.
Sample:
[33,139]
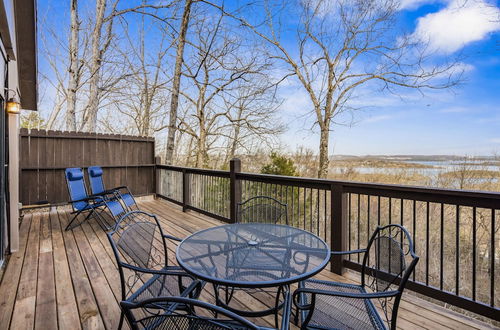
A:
[95,204]
[97,186]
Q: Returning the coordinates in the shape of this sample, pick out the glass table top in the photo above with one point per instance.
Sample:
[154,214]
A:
[253,255]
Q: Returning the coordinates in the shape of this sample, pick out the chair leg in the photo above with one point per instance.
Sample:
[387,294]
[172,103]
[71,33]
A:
[68,226]
[101,220]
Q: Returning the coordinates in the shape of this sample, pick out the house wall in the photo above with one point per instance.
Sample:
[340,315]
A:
[9,123]
[3,157]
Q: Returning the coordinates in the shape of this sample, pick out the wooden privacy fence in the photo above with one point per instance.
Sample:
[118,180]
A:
[126,160]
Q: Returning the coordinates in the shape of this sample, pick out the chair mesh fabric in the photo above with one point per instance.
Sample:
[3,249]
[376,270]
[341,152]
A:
[115,207]
[76,187]
[186,322]
[159,286]
[388,257]
[128,199]
[339,312]
[262,209]
[138,241]
[191,314]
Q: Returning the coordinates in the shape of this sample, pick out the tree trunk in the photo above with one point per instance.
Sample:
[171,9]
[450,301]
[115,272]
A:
[237,126]
[90,118]
[202,154]
[234,144]
[174,99]
[323,152]
[73,69]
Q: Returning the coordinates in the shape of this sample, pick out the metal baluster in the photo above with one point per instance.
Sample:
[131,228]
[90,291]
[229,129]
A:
[317,212]
[378,211]
[492,260]
[441,252]
[414,230]
[427,247]
[305,210]
[326,215]
[474,220]
[367,219]
[348,221]
[457,253]
[390,210]
[311,210]
[359,224]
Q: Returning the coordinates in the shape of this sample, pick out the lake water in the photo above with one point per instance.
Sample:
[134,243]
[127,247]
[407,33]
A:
[437,168]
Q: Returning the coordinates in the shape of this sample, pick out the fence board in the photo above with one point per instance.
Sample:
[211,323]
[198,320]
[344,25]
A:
[126,160]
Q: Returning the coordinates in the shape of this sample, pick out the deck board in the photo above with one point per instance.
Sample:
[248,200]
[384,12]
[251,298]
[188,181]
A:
[69,280]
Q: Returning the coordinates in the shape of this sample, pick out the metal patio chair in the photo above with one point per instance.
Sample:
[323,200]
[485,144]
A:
[262,209]
[163,313]
[140,249]
[388,261]
[95,205]
[258,209]
[97,187]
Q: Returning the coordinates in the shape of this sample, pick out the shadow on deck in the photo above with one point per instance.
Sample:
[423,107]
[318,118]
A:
[69,280]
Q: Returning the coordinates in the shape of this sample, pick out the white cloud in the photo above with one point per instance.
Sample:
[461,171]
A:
[414,4]
[457,25]
[296,101]
[495,140]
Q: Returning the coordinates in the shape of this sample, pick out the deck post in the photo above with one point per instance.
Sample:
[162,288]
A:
[157,175]
[235,187]
[338,225]
[186,190]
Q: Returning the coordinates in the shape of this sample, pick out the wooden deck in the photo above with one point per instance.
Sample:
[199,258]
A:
[69,280]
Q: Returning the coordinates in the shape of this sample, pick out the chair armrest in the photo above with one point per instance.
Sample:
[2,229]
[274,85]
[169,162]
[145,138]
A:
[347,252]
[107,192]
[86,199]
[103,194]
[120,188]
[173,238]
[155,271]
[370,295]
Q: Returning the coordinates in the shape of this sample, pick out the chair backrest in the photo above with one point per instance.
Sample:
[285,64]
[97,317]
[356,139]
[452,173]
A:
[95,178]
[388,263]
[262,209]
[137,240]
[76,186]
[164,313]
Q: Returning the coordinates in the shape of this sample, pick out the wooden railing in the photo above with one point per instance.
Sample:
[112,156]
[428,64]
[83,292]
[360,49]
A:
[455,232]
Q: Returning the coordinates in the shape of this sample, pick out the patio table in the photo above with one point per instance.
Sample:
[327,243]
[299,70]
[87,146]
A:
[253,255]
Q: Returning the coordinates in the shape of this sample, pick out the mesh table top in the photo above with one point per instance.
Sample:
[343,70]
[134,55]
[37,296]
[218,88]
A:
[253,255]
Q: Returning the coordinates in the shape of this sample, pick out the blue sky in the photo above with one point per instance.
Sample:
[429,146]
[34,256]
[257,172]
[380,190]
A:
[465,120]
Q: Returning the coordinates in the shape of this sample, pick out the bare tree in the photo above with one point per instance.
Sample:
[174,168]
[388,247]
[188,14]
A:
[225,77]
[142,96]
[341,46]
[102,37]
[252,110]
